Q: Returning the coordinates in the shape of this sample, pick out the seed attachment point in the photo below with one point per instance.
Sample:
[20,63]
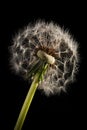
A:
[44,56]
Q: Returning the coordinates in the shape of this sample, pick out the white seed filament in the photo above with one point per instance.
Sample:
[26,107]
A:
[44,56]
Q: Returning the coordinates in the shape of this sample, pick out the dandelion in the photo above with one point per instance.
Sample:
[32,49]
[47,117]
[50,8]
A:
[47,55]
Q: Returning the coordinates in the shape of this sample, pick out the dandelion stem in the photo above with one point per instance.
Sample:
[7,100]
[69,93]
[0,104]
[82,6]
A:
[29,98]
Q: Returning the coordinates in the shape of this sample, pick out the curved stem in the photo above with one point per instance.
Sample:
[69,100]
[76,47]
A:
[29,98]
[27,103]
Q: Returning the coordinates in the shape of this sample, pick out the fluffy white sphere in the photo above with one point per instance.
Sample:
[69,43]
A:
[53,42]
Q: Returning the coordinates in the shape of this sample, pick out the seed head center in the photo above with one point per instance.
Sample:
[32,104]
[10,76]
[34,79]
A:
[44,56]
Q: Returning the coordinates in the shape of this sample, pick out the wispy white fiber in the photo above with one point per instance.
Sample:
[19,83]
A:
[52,40]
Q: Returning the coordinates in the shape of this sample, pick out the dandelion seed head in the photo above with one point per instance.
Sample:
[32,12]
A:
[50,41]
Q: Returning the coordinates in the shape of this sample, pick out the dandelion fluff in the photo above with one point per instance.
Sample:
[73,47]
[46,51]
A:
[45,42]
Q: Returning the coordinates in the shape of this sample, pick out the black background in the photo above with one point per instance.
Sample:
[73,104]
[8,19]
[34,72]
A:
[65,111]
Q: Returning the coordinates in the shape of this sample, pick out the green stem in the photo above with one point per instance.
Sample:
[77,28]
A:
[28,99]
[27,103]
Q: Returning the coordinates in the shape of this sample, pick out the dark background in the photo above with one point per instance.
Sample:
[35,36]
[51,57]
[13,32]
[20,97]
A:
[67,111]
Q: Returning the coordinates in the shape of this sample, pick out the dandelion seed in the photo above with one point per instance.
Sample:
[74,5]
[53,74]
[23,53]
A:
[48,51]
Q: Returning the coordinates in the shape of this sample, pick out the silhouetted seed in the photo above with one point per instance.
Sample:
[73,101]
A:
[63,46]
[35,39]
[61,82]
[25,65]
[55,78]
[67,75]
[73,59]
[70,53]
[17,49]
[61,67]
[63,56]
[25,43]
[69,66]
[46,36]
[59,75]
[27,54]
